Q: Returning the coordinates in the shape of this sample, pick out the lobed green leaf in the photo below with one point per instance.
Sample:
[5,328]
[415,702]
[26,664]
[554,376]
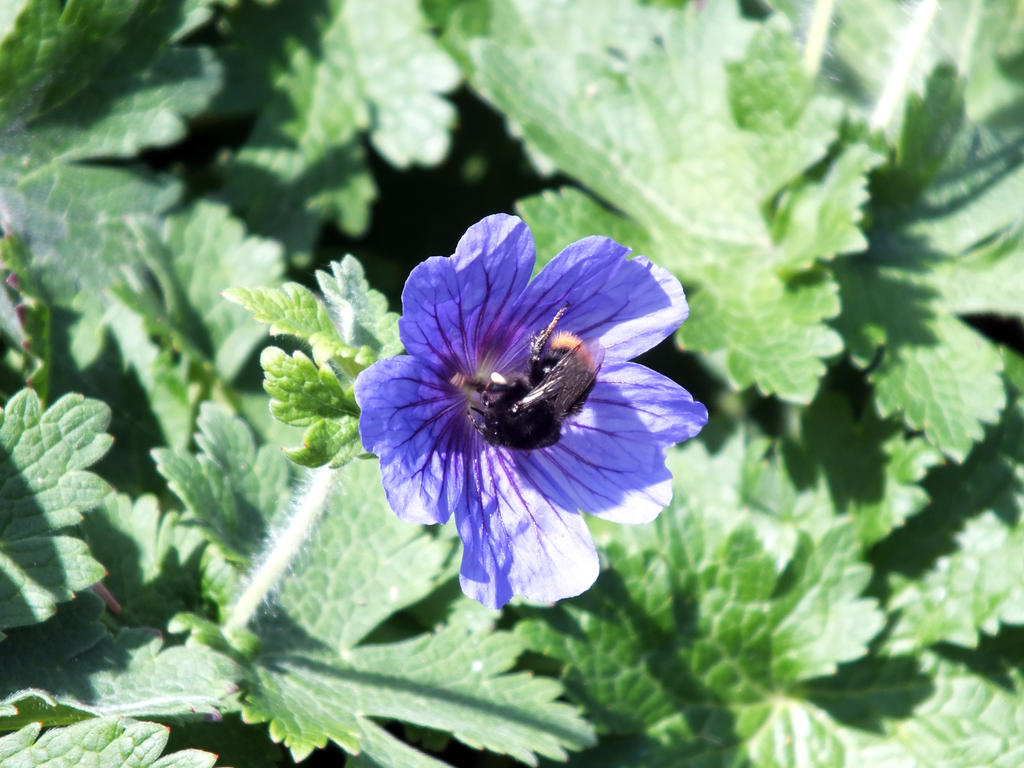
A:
[696,171]
[336,71]
[100,743]
[43,456]
[70,667]
[304,395]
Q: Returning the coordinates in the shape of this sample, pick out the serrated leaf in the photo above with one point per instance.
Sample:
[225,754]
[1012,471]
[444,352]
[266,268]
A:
[969,178]
[820,219]
[152,559]
[359,313]
[337,71]
[234,491]
[43,455]
[75,667]
[988,279]
[304,395]
[975,582]
[349,330]
[767,330]
[920,712]
[100,743]
[948,389]
[171,322]
[970,591]
[453,680]
[696,171]
[80,84]
[939,373]
[292,309]
[697,646]
[351,327]
[868,467]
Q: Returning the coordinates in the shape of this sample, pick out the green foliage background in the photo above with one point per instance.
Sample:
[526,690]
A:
[197,563]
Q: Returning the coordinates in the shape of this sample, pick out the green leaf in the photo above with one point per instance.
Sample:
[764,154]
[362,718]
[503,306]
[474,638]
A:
[378,563]
[765,330]
[968,178]
[988,279]
[234,491]
[867,467]
[939,373]
[975,581]
[152,558]
[453,680]
[919,712]
[704,637]
[822,218]
[162,373]
[360,313]
[952,188]
[379,749]
[338,70]
[103,743]
[351,329]
[69,666]
[208,251]
[43,455]
[26,326]
[304,395]
[78,83]
[552,214]
[981,39]
[697,172]
[295,310]
[172,326]
[948,388]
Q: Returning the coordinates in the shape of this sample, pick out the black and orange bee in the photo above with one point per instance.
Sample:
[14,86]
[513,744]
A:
[526,411]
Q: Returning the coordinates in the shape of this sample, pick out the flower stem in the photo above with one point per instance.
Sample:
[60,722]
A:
[817,34]
[909,47]
[308,504]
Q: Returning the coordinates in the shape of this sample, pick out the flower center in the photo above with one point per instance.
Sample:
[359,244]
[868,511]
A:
[525,410]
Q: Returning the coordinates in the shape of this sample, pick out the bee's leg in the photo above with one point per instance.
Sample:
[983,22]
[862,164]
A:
[540,340]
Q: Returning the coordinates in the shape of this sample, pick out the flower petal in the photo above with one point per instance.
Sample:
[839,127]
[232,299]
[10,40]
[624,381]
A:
[628,306]
[516,540]
[416,423]
[610,460]
[456,309]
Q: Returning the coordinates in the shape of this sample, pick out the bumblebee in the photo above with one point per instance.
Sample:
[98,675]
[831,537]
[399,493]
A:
[526,411]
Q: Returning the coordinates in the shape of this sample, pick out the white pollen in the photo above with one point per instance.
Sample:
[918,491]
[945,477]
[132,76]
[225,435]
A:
[497,378]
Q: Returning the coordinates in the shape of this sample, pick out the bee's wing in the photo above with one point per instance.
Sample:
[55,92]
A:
[567,384]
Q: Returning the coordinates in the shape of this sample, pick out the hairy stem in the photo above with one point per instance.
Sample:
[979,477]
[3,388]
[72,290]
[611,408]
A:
[910,46]
[817,34]
[308,504]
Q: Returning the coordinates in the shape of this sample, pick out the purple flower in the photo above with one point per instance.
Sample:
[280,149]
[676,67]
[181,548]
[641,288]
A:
[496,414]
